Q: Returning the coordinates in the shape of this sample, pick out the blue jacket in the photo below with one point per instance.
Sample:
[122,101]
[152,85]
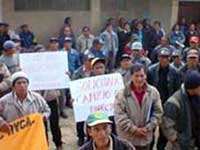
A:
[27,39]
[96,53]
[180,37]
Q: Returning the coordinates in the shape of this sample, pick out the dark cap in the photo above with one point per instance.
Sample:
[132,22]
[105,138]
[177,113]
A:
[176,53]
[164,52]
[53,39]
[24,26]
[85,29]
[88,57]
[125,56]
[98,41]
[192,79]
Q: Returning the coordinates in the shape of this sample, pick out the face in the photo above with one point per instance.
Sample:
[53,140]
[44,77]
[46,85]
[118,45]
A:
[53,46]
[25,29]
[139,78]
[125,63]
[67,31]
[177,28]
[195,92]
[177,59]
[21,86]
[109,28]
[192,27]
[164,61]
[67,45]
[86,33]
[192,61]
[136,53]
[139,26]
[99,68]
[193,45]
[127,27]
[157,26]
[87,63]
[164,42]
[100,134]
[98,46]
[10,51]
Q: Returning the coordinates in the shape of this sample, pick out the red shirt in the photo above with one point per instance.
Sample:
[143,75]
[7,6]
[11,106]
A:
[139,94]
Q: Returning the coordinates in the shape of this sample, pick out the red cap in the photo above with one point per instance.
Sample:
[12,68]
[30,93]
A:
[194,39]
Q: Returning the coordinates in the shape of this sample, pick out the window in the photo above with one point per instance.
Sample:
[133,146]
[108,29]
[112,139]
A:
[57,5]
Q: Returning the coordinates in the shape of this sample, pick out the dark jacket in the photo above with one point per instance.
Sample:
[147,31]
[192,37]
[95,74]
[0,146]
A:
[118,144]
[27,39]
[178,123]
[173,79]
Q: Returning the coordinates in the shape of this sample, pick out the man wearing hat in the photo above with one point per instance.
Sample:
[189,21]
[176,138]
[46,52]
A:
[137,55]
[192,62]
[166,79]
[98,66]
[182,115]
[96,49]
[99,129]
[53,44]
[20,102]
[124,69]
[177,60]
[10,58]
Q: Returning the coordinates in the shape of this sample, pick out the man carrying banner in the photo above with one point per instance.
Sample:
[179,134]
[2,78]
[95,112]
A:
[138,110]
[99,129]
[20,102]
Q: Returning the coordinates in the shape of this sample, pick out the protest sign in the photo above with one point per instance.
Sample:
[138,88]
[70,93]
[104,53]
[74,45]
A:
[46,70]
[95,94]
[27,133]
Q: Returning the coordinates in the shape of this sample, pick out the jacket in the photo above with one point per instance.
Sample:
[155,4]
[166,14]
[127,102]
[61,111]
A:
[118,144]
[173,79]
[27,39]
[84,43]
[177,120]
[10,109]
[4,79]
[174,37]
[129,115]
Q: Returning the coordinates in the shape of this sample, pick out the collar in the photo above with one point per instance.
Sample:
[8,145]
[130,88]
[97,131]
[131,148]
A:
[110,144]
[28,97]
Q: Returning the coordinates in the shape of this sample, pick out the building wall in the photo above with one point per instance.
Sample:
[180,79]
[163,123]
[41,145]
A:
[48,23]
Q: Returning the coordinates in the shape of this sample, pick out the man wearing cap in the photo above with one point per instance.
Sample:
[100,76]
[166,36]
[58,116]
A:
[137,56]
[20,102]
[85,40]
[99,129]
[182,115]
[138,110]
[53,44]
[192,62]
[83,72]
[10,58]
[164,43]
[166,79]
[96,49]
[177,62]
[193,44]
[124,69]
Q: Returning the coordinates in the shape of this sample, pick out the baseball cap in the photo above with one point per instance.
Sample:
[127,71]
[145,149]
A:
[53,39]
[68,39]
[194,39]
[9,44]
[125,56]
[95,60]
[192,79]
[136,46]
[97,118]
[192,53]
[164,52]
[98,41]
[176,53]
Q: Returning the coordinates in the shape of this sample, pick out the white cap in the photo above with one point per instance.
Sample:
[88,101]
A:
[136,46]
[68,38]
[18,75]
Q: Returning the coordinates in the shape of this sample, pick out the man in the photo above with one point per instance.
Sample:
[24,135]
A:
[82,72]
[53,44]
[191,64]
[193,44]
[167,80]
[3,34]
[164,43]
[137,55]
[20,102]
[96,49]
[98,66]
[10,58]
[99,129]
[124,69]
[85,40]
[111,45]
[177,62]
[27,37]
[182,116]
[138,110]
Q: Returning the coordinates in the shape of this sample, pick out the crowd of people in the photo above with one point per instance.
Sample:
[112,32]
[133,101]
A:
[161,74]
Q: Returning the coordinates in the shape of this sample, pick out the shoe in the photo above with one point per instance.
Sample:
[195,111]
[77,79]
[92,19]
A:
[63,115]
[59,148]
[81,141]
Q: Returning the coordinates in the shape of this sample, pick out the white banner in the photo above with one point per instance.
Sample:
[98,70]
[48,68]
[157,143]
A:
[95,93]
[46,70]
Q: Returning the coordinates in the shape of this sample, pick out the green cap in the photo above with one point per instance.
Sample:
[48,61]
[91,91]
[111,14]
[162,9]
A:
[97,118]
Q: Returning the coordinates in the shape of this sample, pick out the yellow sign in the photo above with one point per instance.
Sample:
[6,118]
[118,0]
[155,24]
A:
[27,133]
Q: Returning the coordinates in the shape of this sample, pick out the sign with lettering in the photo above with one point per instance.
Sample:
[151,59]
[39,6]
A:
[95,94]
[46,70]
[26,133]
